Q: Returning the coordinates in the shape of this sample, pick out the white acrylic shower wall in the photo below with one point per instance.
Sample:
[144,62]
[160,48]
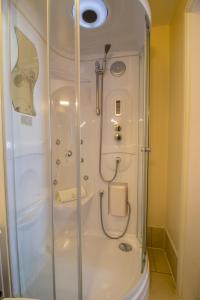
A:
[126,88]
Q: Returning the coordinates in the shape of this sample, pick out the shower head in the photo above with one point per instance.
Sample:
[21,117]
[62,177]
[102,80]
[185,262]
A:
[107,48]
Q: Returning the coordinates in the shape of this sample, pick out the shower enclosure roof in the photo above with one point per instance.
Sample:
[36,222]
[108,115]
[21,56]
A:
[145,3]
[124,28]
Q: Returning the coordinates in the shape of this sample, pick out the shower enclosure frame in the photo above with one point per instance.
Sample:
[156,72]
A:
[4,239]
[5,267]
[146,150]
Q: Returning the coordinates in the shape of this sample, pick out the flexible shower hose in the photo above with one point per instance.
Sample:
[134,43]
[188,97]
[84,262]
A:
[102,222]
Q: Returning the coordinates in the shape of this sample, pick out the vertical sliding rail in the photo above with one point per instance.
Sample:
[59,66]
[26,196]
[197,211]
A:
[97,95]
[146,148]
[77,103]
[6,228]
[48,7]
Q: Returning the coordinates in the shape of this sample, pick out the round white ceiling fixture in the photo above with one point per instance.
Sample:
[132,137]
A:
[93,13]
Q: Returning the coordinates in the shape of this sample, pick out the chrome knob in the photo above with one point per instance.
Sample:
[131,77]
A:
[55,182]
[118,137]
[118,128]
[58,162]
[58,142]
[68,154]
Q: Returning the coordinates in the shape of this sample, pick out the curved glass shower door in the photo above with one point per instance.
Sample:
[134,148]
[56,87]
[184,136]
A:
[114,130]
[27,151]
[76,137]
[41,62]
[64,88]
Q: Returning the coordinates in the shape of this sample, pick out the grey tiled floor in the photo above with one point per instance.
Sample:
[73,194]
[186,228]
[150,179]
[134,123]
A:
[162,285]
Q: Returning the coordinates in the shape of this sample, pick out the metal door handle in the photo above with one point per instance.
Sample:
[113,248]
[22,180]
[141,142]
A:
[146,149]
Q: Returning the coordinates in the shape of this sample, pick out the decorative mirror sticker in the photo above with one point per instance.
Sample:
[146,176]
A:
[24,75]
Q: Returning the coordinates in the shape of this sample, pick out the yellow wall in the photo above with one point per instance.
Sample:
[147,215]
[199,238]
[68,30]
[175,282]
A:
[176,118]
[191,246]
[159,109]
[180,208]
[166,125]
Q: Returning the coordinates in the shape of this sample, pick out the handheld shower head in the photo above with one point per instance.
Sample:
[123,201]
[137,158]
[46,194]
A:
[107,48]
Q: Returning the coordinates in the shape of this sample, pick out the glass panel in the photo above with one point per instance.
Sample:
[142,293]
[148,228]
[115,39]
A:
[27,148]
[65,148]
[111,68]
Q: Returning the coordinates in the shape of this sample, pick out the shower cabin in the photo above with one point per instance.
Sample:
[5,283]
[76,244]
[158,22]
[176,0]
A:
[75,117]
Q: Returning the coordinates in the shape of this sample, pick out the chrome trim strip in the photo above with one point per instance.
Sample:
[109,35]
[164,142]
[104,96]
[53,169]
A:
[146,143]
[50,125]
[78,136]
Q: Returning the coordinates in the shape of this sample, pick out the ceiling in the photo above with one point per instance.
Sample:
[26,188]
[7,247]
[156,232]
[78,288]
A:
[124,28]
[162,11]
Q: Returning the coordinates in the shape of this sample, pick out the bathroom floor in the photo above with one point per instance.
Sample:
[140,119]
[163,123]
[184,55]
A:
[162,285]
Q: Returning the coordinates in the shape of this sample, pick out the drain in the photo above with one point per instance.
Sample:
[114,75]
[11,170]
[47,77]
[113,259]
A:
[125,247]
